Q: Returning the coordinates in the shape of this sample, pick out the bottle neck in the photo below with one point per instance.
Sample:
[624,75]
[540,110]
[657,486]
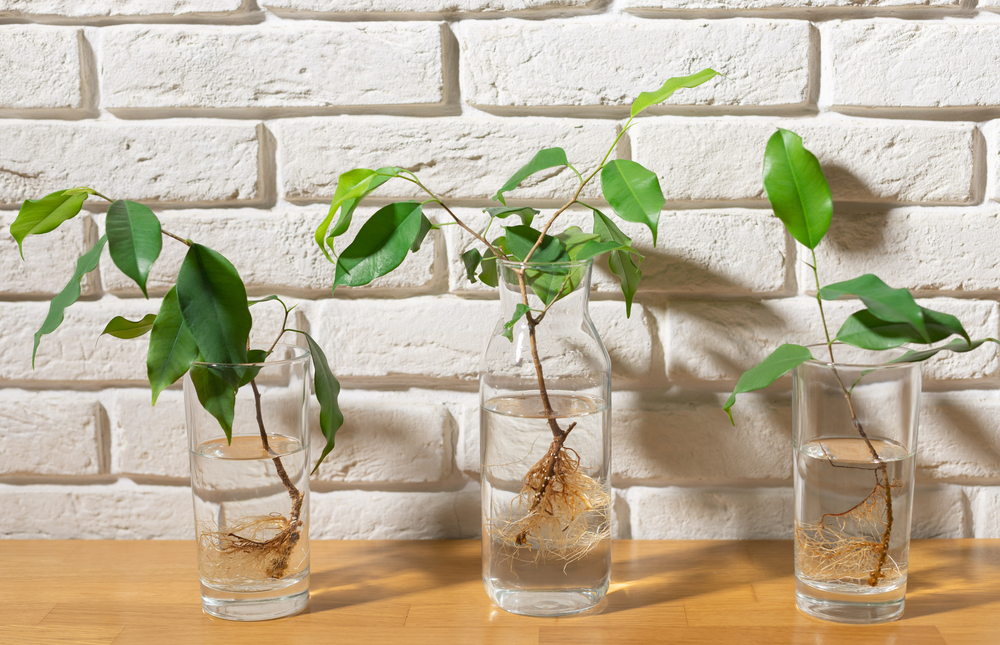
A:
[563,289]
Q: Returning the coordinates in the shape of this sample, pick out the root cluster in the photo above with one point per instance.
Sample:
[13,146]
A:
[561,512]
[850,547]
[252,548]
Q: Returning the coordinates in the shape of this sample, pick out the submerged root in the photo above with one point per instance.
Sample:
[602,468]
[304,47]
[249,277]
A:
[562,513]
[252,548]
[852,546]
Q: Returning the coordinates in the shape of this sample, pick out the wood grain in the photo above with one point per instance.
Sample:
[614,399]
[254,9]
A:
[376,592]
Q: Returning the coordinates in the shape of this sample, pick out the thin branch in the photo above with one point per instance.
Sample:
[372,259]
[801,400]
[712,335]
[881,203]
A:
[176,237]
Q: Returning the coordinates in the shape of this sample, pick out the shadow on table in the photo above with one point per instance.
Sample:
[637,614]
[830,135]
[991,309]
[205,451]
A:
[380,571]
[963,576]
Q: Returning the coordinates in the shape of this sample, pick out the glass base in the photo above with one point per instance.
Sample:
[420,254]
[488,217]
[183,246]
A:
[251,606]
[546,602]
[839,607]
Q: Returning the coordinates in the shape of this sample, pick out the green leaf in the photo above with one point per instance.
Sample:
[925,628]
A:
[70,293]
[620,262]
[172,346]
[215,395]
[508,327]
[796,188]
[471,260]
[862,329]
[633,192]
[543,159]
[327,392]
[526,214]
[780,362]
[957,345]
[213,303]
[884,302]
[488,269]
[134,239]
[39,216]
[381,244]
[646,99]
[247,374]
[425,228]
[352,187]
[122,328]
[521,238]
[251,303]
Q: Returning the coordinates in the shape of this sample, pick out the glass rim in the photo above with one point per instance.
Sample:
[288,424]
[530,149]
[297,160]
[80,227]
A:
[300,353]
[542,265]
[885,365]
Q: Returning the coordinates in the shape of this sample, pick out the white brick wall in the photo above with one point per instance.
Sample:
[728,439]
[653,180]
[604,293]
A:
[234,119]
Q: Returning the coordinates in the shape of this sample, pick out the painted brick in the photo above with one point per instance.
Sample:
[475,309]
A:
[935,81]
[273,251]
[719,341]
[49,433]
[443,338]
[939,250]
[76,351]
[323,65]
[388,443]
[694,443]
[730,252]
[751,5]
[148,439]
[959,436]
[311,7]
[454,157]
[165,162]
[41,67]
[49,261]
[987,513]
[714,514]
[353,515]
[865,160]
[119,511]
[607,62]
[116,8]
[939,512]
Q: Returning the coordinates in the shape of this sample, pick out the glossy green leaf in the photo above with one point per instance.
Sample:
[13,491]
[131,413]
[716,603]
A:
[508,327]
[381,244]
[471,260]
[39,216]
[796,188]
[134,239]
[213,303]
[123,328]
[327,392]
[172,346]
[215,395]
[862,329]
[647,99]
[633,192]
[488,269]
[251,303]
[884,302]
[249,373]
[70,293]
[352,187]
[520,239]
[958,345]
[620,262]
[554,282]
[780,362]
[425,228]
[543,159]
[526,214]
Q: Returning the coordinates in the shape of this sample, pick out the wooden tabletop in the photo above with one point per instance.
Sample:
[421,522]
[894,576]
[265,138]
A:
[414,592]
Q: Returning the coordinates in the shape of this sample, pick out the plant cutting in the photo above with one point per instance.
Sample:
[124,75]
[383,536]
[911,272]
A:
[545,377]
[252,547]
[854,421]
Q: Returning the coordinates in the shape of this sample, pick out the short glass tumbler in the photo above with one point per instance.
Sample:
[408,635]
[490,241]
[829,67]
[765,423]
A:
[545,445]
[251,495]
[855,437]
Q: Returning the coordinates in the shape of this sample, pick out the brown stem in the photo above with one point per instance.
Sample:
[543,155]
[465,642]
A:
[176,237]
[293,492]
